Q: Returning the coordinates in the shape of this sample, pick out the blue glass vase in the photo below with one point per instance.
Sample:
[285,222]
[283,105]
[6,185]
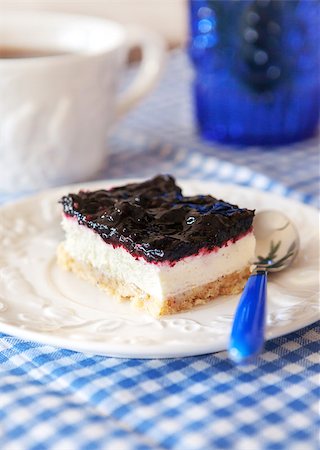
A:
[257,66]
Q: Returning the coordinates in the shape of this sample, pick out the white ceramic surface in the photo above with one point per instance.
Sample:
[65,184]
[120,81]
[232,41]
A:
[41,302]
[56,111]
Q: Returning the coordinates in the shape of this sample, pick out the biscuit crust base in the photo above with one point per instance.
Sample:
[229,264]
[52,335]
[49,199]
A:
[227,285]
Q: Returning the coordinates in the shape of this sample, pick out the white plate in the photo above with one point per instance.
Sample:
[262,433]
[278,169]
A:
[41,302]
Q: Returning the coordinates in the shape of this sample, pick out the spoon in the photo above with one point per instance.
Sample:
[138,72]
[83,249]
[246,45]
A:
[277,244]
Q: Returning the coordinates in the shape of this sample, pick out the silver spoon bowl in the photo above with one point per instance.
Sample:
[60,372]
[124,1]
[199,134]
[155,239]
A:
[277,245]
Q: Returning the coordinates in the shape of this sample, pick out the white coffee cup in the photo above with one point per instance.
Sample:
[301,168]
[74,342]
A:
[56,111]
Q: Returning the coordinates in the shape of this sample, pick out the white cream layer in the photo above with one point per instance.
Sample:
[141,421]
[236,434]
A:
[159,280]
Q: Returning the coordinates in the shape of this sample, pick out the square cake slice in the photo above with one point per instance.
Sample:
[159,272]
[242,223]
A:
[147,243]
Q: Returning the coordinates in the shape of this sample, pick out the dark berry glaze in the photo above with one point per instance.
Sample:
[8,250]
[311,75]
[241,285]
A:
[155,221]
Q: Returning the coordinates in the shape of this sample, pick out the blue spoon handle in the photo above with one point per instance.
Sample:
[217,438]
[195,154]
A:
[247,335]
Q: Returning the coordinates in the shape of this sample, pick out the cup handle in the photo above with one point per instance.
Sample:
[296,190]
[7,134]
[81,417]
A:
[152,61]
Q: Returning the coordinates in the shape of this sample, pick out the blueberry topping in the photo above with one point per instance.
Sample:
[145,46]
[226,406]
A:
[155,221]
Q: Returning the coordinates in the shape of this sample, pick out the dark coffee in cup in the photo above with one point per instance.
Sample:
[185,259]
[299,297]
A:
[10,52]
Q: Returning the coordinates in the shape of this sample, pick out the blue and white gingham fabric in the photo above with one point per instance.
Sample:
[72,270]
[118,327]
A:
[58,399]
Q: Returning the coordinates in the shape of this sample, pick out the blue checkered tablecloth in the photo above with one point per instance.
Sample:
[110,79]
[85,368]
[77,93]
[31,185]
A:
[58,399]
